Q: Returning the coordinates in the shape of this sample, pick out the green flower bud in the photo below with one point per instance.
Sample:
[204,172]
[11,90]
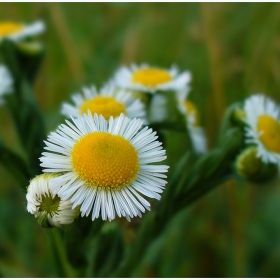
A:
[238,116]
[252,168]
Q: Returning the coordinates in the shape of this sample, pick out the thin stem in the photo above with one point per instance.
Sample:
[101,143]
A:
[237,221]
[63,267]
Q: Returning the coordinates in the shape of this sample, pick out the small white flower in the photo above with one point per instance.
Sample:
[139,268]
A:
[151,79]
[263,130]
[106,165]
[196,132]
[42,201]
[6,82]
[17,31]
[108,102]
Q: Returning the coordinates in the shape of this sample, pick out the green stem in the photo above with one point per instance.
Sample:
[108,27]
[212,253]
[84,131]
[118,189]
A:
[63,267]
[23,106]
[205,174]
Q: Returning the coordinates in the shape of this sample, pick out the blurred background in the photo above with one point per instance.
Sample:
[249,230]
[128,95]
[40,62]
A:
[232,50]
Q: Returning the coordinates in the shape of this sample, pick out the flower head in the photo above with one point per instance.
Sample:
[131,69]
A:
[43,203]
[151,79]
[106,164]
[6,81]
[109,102]
[17,31]
[263,127]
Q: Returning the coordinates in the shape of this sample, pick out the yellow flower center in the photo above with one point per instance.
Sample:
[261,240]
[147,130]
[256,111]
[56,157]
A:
[192,109]
[151,76]
[8,28]
[105,160]
[103,105]
[270,129]
[49,204]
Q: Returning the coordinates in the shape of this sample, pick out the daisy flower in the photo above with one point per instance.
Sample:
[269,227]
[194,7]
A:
[106,165]
[108,102]
[196,132]
[263,127]
[17,31]
[41,201]
[151,79]
[6,81]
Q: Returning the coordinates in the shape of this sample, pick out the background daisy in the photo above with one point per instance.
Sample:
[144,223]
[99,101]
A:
[106,164]
[108,102]
[263,127]
[151,79]
[16,31]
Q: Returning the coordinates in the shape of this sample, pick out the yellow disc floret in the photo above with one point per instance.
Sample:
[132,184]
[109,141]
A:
[8,28]
[151,76]
[103,105]
[191,109]
[105,160]
[270,132]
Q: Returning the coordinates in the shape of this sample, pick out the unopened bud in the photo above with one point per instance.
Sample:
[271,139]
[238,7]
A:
[252,168]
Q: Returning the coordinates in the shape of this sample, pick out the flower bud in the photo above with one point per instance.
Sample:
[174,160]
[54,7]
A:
[46,206]
[249,166]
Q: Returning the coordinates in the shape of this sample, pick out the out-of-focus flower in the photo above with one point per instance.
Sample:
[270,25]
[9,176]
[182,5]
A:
[196,132]
[6,82]
[106,165]
[263,127]
[46,206]
[151,79]
[17,31]
[109,102]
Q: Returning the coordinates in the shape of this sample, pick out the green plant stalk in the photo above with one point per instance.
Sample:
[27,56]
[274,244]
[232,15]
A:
[199,182]
[153,225]
[24,109]
[82,229]
[63,267]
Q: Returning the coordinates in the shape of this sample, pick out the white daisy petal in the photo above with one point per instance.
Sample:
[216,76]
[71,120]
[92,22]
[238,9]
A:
[196,132]
[6,82]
